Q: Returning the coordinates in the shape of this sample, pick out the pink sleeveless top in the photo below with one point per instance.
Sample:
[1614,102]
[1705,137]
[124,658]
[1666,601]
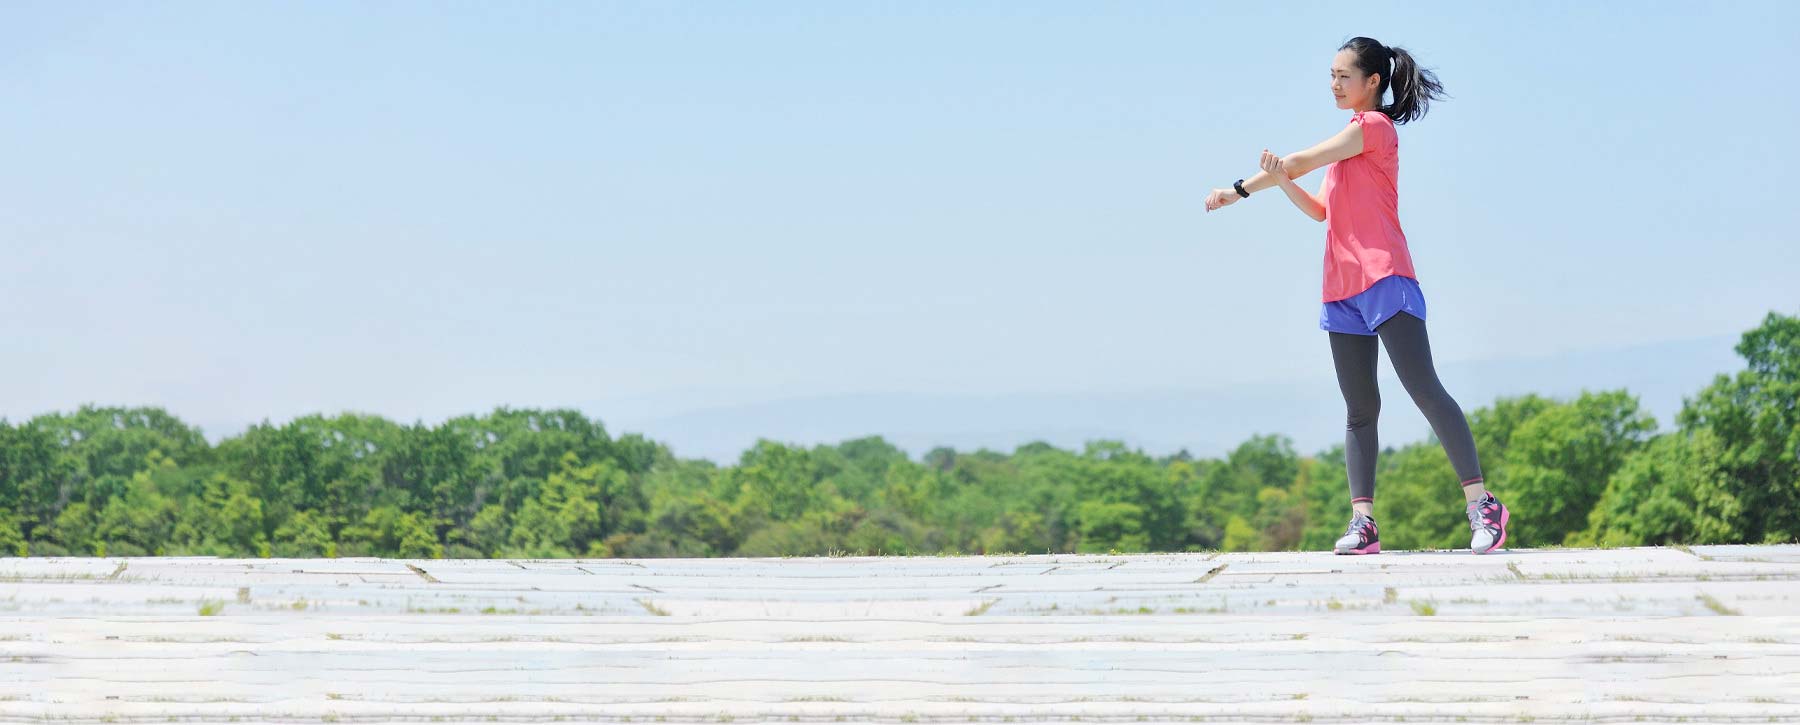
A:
[1363,241]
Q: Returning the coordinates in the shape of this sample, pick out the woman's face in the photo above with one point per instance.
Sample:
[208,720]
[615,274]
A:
[1351,88]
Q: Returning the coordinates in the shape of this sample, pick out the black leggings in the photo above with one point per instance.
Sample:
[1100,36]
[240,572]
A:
[1355,357]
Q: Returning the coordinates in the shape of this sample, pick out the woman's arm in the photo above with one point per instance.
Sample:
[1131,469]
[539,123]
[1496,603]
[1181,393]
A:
[1347,143]
[1277,169]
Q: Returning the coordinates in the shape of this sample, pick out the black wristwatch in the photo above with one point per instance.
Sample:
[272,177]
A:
[1239,185]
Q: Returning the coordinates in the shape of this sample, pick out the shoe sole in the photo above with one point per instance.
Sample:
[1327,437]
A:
[1505,515]
[1374,548]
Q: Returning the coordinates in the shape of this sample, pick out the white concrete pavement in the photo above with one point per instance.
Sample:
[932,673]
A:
[1701,634]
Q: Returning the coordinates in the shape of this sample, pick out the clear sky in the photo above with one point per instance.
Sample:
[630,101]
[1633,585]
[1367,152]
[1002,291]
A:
[250,210]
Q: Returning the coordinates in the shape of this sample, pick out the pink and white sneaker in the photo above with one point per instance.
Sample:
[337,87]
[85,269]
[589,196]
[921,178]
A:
[1487,524]
[1361,537]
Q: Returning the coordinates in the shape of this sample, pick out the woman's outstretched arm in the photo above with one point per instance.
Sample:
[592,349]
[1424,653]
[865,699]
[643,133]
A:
[1308,204]
[1347,143]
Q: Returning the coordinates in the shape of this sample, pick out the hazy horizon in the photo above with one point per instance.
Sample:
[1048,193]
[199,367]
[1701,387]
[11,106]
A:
[1158,421]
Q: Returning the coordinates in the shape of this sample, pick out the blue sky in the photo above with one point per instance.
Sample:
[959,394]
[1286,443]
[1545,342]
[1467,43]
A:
[240,211]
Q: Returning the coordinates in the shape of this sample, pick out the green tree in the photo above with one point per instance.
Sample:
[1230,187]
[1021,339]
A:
[1672,491]
[74,530]
[237,520]
[1240,535]
[305,534]
[12,541]
[1560,460]
[388,531]
[34,475]
[571,514]
[142,521]
[489,531]
[1112,527]
[773,482]
[1756,421]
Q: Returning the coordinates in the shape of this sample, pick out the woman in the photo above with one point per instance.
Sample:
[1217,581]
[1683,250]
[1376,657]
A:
[1370,289]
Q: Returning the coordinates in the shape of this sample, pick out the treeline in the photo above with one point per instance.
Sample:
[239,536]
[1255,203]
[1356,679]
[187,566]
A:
[1594,470]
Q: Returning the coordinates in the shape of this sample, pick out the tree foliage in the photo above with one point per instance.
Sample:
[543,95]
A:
[1593,471]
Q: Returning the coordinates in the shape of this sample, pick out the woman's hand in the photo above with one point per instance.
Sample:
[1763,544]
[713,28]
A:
[1274,166]
[1221,198]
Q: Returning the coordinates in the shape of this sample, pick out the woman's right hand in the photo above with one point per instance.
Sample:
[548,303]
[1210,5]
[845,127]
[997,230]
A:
[1221,198]
[1274,166]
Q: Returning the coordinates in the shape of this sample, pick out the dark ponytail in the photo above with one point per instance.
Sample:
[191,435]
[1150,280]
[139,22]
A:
[1414,87]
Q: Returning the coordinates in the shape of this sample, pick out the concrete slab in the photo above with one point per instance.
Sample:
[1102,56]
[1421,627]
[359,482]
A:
[1707,634]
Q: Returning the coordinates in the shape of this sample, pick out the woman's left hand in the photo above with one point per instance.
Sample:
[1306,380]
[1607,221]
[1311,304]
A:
[1220,198]
[1274,166]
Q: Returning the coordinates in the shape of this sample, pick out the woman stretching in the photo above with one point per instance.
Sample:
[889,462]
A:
[1369,279]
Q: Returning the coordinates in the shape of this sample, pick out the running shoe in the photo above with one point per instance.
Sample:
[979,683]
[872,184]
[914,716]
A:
[1360,537]
[1487,524]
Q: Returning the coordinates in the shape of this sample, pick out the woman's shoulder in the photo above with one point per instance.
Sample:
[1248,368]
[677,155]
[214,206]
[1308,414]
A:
[1379,133]
[1375,118]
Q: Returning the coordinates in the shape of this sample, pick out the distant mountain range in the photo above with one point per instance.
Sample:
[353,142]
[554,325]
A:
[1205,422]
